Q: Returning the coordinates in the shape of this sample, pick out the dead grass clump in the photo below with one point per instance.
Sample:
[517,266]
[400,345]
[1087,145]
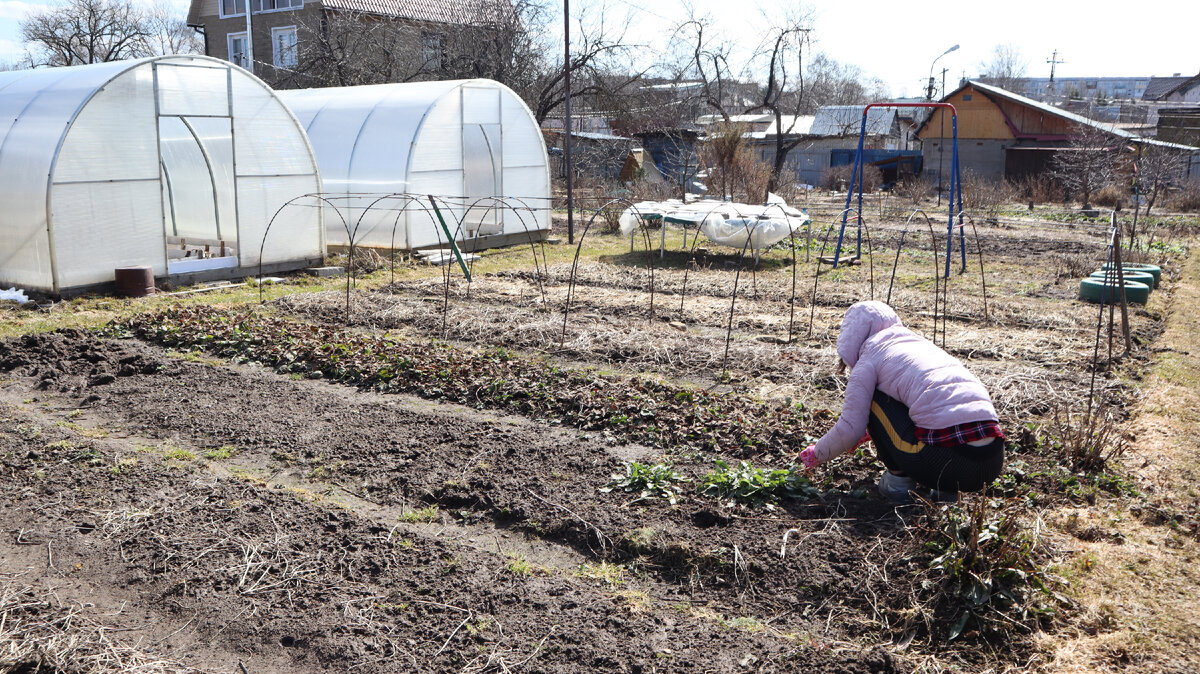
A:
[38,633]
[366,260]
[1111,196]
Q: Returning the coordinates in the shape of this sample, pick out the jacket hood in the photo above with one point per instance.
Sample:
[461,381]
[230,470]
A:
[861,322]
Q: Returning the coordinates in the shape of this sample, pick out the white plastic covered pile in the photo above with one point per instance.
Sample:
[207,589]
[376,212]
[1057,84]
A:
[724,223]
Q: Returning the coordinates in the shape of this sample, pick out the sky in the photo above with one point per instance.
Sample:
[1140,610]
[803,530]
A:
[897,42]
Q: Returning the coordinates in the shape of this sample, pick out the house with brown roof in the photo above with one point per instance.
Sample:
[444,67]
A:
[1003,134]
[280,27]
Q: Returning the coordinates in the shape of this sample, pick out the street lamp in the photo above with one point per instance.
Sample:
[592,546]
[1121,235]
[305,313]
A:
[932,85]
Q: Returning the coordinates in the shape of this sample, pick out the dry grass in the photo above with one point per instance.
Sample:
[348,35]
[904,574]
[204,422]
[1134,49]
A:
[1033,354]
[1137,586]
[41,633]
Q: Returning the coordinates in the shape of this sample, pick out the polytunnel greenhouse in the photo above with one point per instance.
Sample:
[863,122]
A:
[471,144]
[178,163]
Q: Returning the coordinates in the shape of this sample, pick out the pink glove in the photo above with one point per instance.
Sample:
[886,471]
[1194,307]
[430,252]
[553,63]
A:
[809,457]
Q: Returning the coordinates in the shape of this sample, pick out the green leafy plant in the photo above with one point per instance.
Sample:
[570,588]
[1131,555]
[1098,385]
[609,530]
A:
[744,484]
[652,481]
[989,568]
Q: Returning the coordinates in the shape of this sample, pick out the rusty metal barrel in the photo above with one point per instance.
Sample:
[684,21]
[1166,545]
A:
[135,281]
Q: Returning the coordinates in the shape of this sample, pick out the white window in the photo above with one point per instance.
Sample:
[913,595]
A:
[238,7]
[233,7]
[239,49]
[283,44]
[433,52]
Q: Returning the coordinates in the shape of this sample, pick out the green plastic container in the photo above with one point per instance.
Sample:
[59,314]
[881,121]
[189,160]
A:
[1152,269]
[1096,290]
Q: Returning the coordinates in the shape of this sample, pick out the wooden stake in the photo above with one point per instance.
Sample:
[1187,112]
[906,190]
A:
[1121,285]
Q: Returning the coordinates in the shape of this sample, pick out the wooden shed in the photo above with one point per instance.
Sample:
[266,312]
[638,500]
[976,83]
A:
[1001,134]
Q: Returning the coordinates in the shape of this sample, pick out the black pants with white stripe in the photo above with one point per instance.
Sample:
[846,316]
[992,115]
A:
[957,468]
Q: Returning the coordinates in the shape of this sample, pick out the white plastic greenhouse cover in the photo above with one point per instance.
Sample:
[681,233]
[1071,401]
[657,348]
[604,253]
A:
[462,141]
[100,164]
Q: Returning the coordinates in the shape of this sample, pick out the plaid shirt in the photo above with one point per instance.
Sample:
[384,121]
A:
[960,434]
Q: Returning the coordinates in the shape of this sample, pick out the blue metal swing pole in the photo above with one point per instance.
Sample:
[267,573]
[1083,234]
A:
[962,235]
[854,178]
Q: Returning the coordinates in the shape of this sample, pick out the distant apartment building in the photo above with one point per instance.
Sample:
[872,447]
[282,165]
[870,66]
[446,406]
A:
[1067,88]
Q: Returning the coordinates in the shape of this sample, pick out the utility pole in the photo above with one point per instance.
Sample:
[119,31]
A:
[944,82]
[567,120]
[249,40]
[1053,61]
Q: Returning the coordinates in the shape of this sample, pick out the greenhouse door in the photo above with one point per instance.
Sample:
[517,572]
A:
[195,142]
[482,163]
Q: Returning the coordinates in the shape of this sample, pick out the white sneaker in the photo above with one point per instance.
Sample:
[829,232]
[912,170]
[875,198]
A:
[896,488]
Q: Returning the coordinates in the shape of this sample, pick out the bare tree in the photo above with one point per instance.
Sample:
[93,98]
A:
[86,31]
[777,65]
[783,94]
[1157,167]
[350,48]
[1004,69]
[505,40]
[600,65]
[169,32]
[1089,162]
[832,83]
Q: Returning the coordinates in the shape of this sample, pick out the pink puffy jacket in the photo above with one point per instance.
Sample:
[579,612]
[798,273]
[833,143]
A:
[885,355]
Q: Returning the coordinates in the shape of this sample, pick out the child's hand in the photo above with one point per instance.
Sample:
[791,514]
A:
[809,457]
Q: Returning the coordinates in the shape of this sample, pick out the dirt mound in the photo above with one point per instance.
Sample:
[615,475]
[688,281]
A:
[280,573]
[74,359]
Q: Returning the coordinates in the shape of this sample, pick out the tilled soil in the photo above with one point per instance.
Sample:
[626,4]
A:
[244,516]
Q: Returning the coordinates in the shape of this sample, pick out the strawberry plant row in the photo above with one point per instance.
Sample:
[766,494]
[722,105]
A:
[629,408]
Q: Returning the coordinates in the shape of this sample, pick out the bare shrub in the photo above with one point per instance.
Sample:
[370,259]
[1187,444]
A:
[1086,441]
[838,178]
[642,189]
[913,188]
[610,216]
[1187,199]
[736,171]
[1073,265]
[1039,188]
[984,194]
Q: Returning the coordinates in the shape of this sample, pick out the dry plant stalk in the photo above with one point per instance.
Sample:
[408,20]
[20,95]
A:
[38,633]
[1088,441]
